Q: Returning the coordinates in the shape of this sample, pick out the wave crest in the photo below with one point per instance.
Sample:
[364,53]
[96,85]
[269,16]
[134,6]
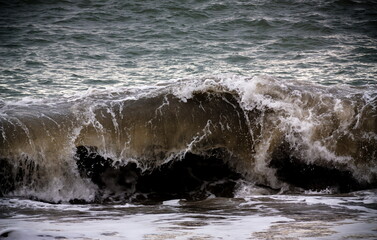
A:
[270,132]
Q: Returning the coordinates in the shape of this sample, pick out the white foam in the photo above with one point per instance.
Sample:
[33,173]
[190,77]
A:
[256,216]
[20,234]
[142,226]
[173,203]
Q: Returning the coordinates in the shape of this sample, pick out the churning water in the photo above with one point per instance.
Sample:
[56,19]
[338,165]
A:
[188,119]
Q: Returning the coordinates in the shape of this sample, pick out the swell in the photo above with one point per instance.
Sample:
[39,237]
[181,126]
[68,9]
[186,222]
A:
[119,144]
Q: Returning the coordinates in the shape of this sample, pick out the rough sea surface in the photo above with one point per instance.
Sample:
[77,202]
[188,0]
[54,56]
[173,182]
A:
[192,119]
[50,48]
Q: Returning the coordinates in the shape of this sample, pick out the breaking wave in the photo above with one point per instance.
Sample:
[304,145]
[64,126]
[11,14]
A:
[192,139]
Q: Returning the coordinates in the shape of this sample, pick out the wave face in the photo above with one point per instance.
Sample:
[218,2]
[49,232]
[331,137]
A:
[189,139]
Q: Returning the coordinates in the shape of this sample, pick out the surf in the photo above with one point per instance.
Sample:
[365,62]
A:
[189,138]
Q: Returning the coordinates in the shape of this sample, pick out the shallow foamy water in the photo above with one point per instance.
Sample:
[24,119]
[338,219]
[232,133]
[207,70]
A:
[310,216]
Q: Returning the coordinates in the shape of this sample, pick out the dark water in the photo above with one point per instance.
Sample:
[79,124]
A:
[188,119]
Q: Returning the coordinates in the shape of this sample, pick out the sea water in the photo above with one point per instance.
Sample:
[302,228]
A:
[308,216]
[188,120]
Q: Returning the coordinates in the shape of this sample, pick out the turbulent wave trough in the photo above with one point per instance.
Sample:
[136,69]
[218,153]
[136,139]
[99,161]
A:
[191,139]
